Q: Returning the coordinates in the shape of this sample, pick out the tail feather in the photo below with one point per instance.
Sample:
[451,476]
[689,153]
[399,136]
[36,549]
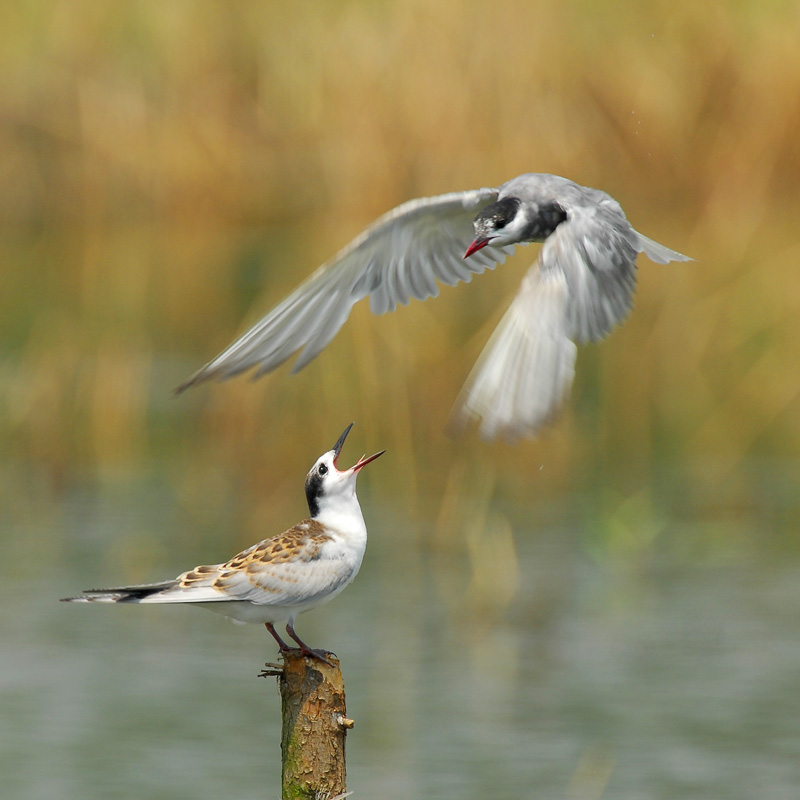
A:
[123,594]
[658,253]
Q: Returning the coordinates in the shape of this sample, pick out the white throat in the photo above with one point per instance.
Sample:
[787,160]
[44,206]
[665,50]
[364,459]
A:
[341,513]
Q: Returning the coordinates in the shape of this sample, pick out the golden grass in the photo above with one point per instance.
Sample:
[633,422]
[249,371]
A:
[170,171]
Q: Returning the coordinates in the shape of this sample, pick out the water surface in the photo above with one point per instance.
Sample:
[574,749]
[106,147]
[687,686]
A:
[647,677]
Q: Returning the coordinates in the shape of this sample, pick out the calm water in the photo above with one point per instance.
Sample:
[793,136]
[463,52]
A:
[633,678]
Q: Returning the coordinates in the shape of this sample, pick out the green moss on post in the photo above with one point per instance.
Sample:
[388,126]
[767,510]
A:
[314,727]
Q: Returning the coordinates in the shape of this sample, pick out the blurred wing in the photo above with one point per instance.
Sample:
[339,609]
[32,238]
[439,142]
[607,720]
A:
[526,369]
[595,251]
[581,287]
[401,255]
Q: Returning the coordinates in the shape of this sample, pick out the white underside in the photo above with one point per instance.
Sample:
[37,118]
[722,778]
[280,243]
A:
[243,611]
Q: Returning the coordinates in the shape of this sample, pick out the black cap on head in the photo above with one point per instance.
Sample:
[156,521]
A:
[497,215]
[315,478]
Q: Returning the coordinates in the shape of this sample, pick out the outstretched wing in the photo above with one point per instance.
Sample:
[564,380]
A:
[580,288]
[401,255]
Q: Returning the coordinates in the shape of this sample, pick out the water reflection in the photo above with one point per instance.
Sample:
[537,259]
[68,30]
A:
[599,679]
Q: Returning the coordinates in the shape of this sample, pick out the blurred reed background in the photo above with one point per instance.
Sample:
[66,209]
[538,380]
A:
[169,171]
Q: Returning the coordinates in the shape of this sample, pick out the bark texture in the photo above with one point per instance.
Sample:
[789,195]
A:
[314,727]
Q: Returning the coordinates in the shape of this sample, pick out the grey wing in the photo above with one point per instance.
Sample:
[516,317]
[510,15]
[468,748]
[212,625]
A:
[526,369]
[401,255]
[595,251]
[580,288]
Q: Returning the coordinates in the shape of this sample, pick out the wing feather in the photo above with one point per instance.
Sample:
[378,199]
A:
[285,570]
[525,371]
[400,256]
[595,250]
[581,287]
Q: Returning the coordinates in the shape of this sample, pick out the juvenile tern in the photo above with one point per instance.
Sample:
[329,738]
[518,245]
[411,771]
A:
[277,579]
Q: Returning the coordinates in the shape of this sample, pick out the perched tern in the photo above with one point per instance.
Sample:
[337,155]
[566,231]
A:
[277,579]
[580,287]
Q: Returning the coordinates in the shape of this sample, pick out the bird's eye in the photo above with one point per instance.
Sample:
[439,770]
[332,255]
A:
[323,469]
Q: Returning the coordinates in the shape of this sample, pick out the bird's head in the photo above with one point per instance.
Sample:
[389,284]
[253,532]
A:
[499,224]
[326,483]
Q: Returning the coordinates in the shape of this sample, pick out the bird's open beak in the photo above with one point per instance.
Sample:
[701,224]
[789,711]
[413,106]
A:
[363,461]
[478,244]
[337,448]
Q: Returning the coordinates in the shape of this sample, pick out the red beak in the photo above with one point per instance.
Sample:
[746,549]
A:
[362,462]
[478,244]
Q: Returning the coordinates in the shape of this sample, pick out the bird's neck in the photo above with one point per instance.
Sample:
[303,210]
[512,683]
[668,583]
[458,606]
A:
[538,226]
[342,515]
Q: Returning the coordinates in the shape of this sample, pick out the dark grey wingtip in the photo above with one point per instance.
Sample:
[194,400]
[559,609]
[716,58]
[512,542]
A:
[198,377]
[204,374]
[179,390]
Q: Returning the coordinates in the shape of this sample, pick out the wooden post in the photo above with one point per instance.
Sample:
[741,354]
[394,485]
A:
[314,727]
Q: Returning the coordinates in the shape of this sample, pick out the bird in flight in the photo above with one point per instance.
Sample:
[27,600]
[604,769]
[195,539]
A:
[277,579]
[580,287]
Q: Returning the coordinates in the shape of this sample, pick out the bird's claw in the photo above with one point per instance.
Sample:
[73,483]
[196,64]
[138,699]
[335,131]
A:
[320,655]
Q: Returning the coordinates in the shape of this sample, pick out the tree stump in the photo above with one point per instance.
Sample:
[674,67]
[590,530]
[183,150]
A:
[314,727]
